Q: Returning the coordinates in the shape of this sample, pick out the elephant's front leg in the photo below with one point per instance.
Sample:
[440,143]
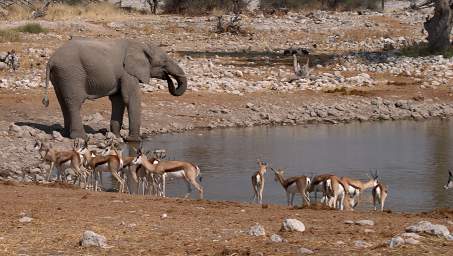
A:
[116,120]
[75,119]
[130,92]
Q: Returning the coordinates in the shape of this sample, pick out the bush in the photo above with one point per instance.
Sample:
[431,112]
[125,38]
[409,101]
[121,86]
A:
[330,4]
[9,35]
[200,7]
[289,4]
[33,28]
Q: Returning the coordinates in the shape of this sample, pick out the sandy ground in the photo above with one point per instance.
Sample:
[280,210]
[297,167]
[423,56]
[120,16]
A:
[133,226]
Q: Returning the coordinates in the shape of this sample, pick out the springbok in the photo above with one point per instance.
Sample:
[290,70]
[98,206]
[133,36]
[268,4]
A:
[318,183]
[335,192]
[293,185]
[98,164]
[258,182]
[380,192]
[450,181]
[62,159]
[176,169]
[355,187]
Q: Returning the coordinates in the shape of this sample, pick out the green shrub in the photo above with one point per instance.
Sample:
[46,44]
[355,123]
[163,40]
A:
[9,35]
[33,28]
[422,50]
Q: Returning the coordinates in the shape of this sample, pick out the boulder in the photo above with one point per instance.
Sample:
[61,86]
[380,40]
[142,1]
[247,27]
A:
[365,222]
[428,228]
[91,239]
[276,238]
[257,230]
[303,251]
[395,242]
[293,225]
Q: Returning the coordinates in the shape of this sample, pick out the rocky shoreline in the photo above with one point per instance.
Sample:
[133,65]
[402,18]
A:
[262,110]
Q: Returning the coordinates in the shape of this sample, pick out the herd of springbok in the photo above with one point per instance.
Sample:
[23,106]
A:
[150,173]
[336,192]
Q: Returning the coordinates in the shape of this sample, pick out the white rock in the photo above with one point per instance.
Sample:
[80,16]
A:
[411,240]
[90,238]
[276,238]
[395,241]
[293,225]
[361,244]
[57,136]
[163,216]
[238,73]
[25,219]
[303,251]
[411,235]
[429,228]
[365,222]
[257,230]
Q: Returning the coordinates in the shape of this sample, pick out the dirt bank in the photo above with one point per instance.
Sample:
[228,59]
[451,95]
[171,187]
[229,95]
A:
[133,225]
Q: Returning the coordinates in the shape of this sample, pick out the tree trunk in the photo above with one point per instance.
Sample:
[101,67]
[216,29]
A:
[439,26]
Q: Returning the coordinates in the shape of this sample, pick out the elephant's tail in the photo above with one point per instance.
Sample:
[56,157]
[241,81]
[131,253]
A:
[45,100]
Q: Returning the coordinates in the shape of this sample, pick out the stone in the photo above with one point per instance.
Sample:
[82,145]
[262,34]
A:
[293,225]
[238,73]
[411,240]
[91,239]
[361,244]
[429,228]
[411,235]
[3,66]
[350,222]
[395,242]
[257,230]
[303,251]
[57,136]
[276,238]
[15,129]
[25,219]
[365,222]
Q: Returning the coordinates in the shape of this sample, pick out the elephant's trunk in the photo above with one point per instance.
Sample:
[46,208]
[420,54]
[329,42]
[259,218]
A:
[176,72]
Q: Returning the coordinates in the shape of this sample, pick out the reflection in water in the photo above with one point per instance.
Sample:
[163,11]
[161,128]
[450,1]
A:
[412,158]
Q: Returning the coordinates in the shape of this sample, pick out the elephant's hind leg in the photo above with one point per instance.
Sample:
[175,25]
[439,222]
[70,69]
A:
[116,120]
[65,112]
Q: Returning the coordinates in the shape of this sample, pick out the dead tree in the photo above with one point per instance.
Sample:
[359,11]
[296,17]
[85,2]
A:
[439,25]
[153,4]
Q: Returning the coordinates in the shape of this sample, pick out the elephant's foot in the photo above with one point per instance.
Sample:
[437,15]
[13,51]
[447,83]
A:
[115,128]
[77,134]
[133,138]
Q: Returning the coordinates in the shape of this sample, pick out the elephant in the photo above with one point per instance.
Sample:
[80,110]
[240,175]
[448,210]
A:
[85,68]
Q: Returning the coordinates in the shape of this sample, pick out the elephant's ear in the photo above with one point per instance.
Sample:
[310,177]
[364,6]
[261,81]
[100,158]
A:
[136,62]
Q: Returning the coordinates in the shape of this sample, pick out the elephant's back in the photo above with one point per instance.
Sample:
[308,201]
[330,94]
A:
[95,63]
[88,48]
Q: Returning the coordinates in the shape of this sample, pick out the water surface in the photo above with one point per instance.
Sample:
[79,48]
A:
[412,159]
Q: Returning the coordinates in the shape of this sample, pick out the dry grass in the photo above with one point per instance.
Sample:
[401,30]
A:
[96,11]
[91,11]
[9,35]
